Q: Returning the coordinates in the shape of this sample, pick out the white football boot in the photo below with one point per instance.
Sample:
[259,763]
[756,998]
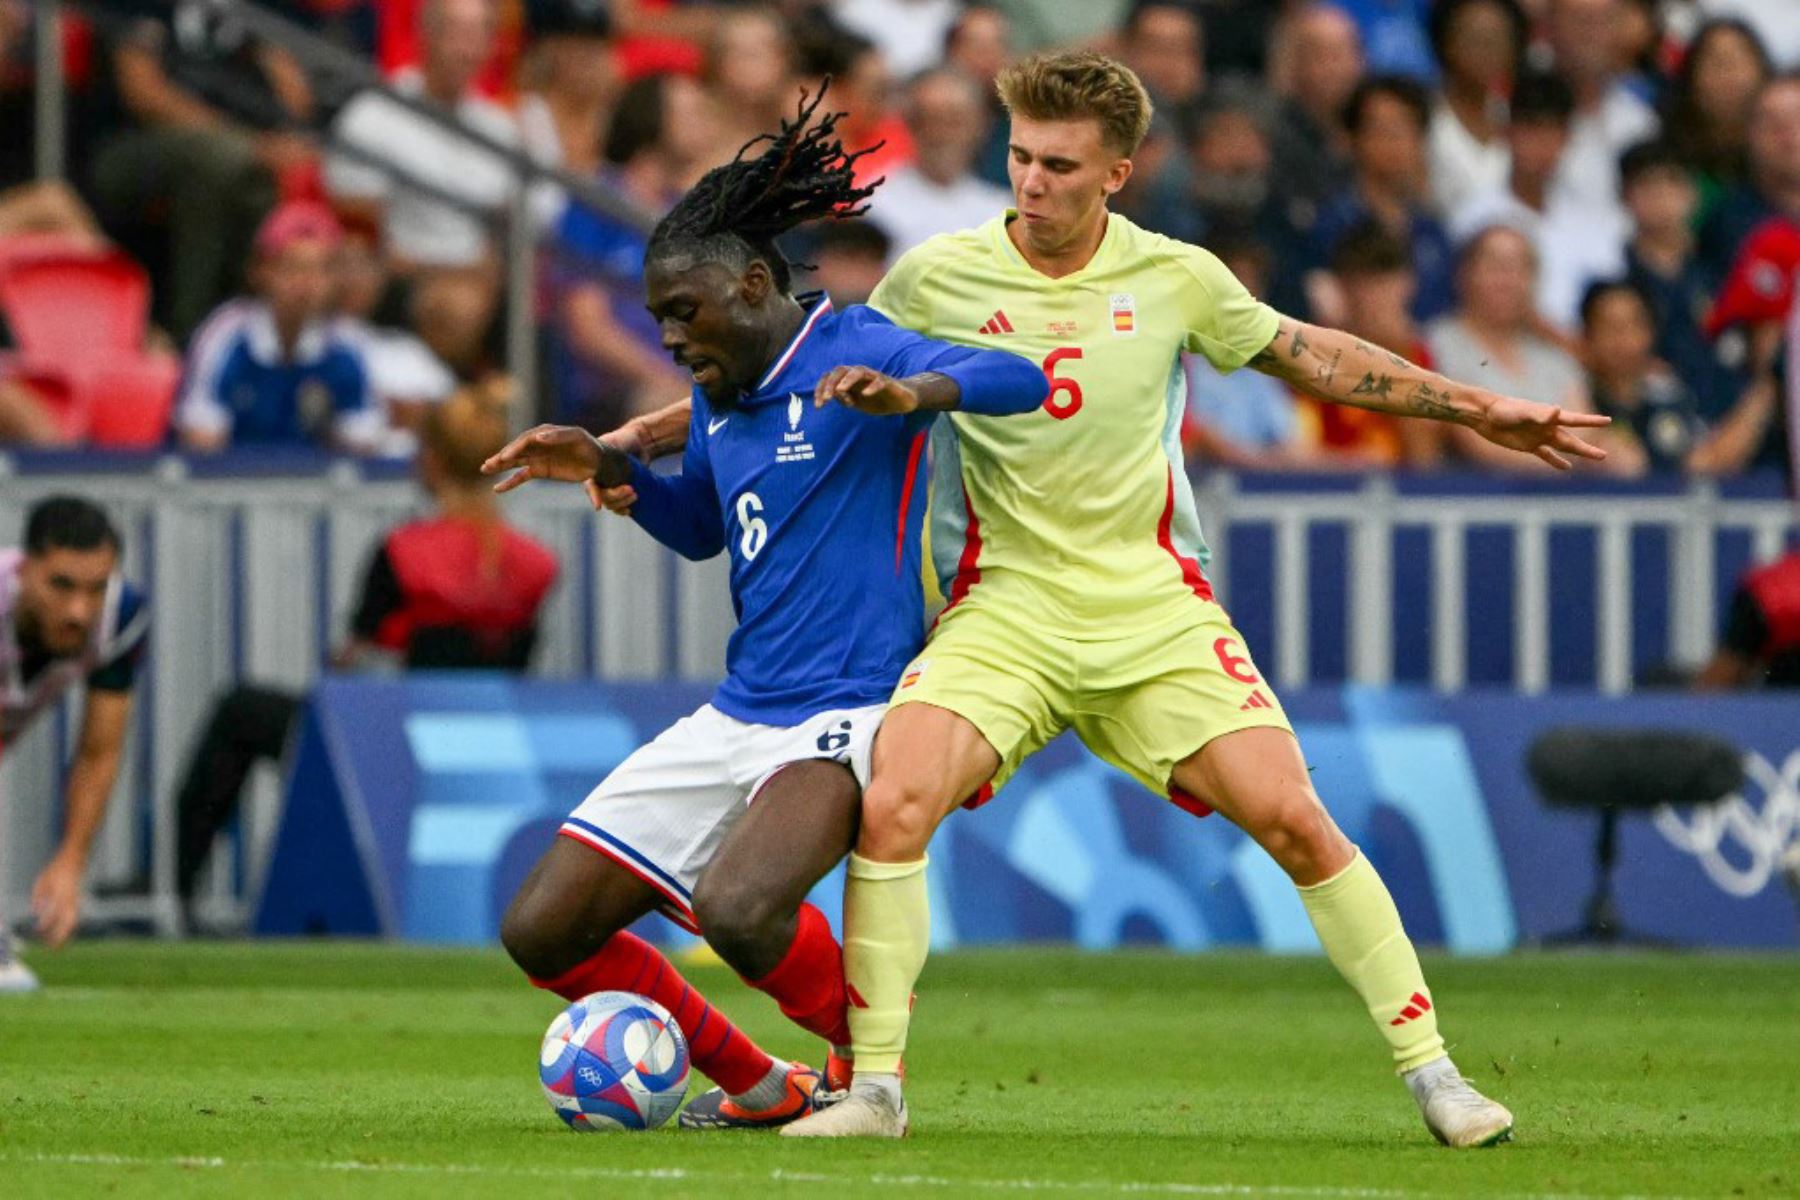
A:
[1457,1115]
[873,1108]
[15,976]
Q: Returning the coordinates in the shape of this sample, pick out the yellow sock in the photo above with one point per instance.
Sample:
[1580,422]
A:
[887,934]
[1359,927]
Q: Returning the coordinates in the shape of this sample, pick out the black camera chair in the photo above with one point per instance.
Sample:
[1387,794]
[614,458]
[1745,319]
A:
[1617,771]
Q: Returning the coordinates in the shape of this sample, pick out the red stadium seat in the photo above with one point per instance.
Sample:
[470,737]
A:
[79,318]
[53,391]
[132,402]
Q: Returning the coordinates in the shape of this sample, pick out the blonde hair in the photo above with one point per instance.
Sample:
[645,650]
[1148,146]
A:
[1080,85]
[469,428]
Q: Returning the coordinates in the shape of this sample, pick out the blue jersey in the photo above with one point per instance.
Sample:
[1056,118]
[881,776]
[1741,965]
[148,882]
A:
[239,381]
[820,509]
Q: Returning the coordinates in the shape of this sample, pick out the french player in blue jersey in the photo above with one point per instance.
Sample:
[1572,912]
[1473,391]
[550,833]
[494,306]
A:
[727,819]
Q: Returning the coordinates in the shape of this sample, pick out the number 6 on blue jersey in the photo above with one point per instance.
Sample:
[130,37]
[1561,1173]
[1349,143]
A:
[756,531]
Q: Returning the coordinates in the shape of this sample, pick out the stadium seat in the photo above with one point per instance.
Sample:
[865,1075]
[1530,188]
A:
[79,318]
[132,401]
[66,407]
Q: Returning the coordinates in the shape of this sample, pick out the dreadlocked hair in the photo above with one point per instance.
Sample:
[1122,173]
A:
[735,213]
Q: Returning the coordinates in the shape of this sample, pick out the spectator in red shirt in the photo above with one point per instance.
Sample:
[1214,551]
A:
[457,590]
[1762,633]
[863,87]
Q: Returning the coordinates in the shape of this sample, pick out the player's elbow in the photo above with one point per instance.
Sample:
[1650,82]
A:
[704,546]
[1024,385]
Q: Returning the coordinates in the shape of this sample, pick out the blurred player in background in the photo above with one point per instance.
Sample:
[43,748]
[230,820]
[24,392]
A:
[728,818]
[66,616]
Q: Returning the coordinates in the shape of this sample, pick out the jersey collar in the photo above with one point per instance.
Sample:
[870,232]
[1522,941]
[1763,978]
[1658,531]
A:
[1102,252]
[265,343]
[821,304]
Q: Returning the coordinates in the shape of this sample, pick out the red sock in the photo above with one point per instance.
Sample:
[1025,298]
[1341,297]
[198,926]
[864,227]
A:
[627,963]
[808,983]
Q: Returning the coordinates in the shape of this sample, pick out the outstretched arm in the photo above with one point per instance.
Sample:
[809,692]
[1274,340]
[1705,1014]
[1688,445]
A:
[1338,367]
[56,893]
[680,511]
[648,437]
[921,375]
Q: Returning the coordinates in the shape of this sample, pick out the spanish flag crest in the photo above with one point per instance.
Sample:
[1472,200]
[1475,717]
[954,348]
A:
[1124,315]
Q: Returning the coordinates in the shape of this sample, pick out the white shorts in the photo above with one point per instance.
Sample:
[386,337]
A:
[664,812]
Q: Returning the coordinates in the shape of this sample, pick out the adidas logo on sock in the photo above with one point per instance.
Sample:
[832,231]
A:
[1413,1011]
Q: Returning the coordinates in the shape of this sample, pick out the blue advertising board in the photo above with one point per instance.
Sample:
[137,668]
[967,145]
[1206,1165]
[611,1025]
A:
[416,805]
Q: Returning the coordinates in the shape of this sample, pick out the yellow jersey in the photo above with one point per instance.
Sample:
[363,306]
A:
[1077,516]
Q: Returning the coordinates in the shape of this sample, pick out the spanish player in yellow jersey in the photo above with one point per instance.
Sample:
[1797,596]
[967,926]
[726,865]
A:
[1075,573]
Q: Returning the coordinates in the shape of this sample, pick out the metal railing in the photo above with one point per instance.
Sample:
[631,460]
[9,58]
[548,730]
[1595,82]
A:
[1375,509]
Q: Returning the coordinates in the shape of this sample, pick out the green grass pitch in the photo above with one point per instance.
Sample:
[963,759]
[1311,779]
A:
[366,1070]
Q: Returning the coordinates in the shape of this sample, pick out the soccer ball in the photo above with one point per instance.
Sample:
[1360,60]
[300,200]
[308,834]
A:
[614,1060]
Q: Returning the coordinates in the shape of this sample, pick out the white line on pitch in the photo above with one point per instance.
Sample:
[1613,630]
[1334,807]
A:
[778,1175]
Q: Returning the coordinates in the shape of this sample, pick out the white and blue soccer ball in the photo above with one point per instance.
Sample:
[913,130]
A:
[614,1060]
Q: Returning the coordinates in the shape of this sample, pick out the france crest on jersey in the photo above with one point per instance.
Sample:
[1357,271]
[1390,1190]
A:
[820,510]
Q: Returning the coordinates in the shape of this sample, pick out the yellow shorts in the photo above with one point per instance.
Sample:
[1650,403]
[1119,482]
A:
[1143,701]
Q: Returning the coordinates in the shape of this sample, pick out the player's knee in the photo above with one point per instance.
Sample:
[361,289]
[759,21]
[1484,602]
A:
[898,819]
[1301,837]
[533,937]
[737,921]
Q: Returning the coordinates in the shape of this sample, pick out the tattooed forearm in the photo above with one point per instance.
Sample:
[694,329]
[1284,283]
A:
[1311,359]
[1428,401]
[1328,372]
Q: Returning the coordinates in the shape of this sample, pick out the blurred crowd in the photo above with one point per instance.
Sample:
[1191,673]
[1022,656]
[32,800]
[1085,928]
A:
[1588,202]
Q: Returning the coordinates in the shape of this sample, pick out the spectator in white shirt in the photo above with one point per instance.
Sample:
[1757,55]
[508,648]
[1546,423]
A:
[1585,36]
[1479,43]
[909,33]
[421,230]
[405,378]
[939,192]
[1574,245]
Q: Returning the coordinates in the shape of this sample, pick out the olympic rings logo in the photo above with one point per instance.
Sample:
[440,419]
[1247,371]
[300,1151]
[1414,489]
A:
[1739,847]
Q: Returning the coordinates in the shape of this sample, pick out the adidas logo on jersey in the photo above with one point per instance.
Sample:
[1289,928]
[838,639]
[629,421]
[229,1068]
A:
[1256,700]
[997,324]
